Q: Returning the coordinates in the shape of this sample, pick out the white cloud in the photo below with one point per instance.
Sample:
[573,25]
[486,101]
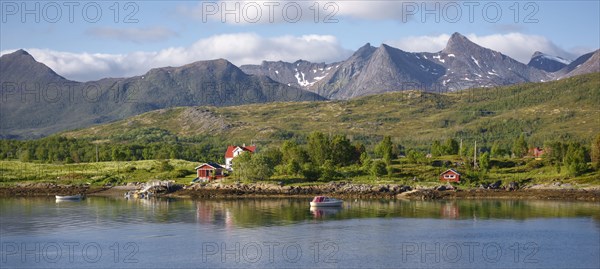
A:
[241,48]
[516,45]
[520,46]
[269,11]
[421,43]
[378,10]
[136,35]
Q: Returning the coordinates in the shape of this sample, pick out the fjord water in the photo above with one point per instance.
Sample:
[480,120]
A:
[103,232]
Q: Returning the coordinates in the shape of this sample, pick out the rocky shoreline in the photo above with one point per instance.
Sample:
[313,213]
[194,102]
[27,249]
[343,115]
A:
[386,191]
[335,189]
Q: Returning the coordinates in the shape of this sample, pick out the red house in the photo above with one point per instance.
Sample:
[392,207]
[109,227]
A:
[234,151]
[209,171]
[450,175]
[536,152]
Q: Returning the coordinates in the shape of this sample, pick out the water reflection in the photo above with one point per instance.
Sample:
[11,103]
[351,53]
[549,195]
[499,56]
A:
[31,215]
[324,212]
[60,201]
[450,210]
[215,213]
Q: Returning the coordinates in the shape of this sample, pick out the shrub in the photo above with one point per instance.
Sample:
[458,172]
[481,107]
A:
[310,172]
[378,169]
[534,164]
[181,173]
[165,166]
[130,169]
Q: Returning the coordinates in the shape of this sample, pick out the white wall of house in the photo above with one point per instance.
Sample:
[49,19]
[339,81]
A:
[228,163]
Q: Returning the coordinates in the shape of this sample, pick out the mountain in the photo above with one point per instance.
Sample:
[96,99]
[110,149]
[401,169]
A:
[298,74]
[587,63]
[38,102]
[563,109]
[385,69]
[460,65]
[21,66]
[547,62]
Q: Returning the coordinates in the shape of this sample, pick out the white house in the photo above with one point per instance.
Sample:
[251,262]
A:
[234,151]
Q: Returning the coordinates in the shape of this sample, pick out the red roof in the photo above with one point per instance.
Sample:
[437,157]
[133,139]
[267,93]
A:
[450,171]
[210,164]
[230,149]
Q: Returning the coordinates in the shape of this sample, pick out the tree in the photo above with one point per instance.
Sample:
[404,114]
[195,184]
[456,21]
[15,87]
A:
[318,147]
[327,171]
[260,168]
[464,151]
[595,153]
[437,149]
[484,161]
[555,153]
[451,146]
[520,146]
[342,150]
[385,149]
[118,154]
[165,166]
[378,169]
[24,155]
[252,166]
[293,168]
[497,150]
[273,156]
[292,151]
[311,172]
[242,166]
[575,159]
[365,160]
[415,156]
[359,149]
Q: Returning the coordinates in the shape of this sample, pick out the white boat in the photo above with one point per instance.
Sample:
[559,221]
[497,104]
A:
[323,201]
[69,197]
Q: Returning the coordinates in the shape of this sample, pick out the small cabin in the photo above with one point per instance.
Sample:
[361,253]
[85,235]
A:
[209,171]
[536,152]
[450,175]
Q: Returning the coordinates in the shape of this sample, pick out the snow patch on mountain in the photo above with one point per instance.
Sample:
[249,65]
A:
[475,61]
[556,58]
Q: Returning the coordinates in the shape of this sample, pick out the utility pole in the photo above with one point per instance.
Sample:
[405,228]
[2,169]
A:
[460,148]
[97,156]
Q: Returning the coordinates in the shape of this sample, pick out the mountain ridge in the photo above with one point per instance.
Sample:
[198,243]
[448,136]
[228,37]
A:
[545,111]
[38,101]
[462,64]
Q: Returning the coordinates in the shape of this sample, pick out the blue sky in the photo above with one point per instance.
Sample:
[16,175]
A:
[90,40]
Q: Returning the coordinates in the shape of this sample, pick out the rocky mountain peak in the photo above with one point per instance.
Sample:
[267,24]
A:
[364,51]
[459,43]
[547,62]
[21,66]
[20,55]
[537,54]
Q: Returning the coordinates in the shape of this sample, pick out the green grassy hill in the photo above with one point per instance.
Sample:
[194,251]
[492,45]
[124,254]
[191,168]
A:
[568,109]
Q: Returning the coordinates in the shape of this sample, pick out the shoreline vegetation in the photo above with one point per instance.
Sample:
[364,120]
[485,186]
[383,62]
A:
[344,190]
[332,165]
